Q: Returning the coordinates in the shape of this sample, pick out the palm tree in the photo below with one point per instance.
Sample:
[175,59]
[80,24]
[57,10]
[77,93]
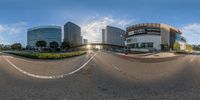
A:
[41,44]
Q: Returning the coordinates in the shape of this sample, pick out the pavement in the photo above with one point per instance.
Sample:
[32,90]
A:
[150,55]
[99,76]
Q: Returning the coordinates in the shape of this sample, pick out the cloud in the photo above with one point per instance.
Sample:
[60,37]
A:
[91,29]
[2,41]
[192,33]
[10,33]
[12,28]
[2,29]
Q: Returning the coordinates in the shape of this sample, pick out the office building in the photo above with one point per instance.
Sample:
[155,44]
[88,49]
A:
[72,33]
[85,41]
[81,40]
[103,36]
[113,36]
[47,33]
[153,36]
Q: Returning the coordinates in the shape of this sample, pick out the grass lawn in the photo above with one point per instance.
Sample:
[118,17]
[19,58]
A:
[36,55]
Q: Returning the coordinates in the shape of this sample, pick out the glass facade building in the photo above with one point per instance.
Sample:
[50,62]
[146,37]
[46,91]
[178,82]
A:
[48,33]
[113,36]
[103,36]
[72,33]
[85,41]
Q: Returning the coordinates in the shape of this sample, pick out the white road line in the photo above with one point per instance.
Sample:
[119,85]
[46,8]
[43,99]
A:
[9,56]
[48,77]
[191,60]
[82,65]
[117,68]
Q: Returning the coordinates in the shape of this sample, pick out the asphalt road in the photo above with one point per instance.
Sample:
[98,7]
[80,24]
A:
[99,76]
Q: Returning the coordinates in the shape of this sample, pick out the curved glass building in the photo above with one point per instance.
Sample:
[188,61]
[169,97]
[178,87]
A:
[153,36]
[48,33]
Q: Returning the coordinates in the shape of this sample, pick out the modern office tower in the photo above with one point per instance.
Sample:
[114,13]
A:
[113,36]
[103,36]
[72,33]
[81,40]
[153,36]
[48,33]
[85,41]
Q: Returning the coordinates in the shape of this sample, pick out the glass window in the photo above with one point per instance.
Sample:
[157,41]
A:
[147,45]
[150,45]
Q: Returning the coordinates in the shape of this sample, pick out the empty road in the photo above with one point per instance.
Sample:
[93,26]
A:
[99,76]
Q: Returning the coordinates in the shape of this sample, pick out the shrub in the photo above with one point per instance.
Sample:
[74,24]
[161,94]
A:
[47,55]
[176,46]
[189,47]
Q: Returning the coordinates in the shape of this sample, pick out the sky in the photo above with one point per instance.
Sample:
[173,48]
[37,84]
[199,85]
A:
[16,16]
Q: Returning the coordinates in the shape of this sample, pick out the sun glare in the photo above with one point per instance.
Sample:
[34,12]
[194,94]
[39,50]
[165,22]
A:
[89,46]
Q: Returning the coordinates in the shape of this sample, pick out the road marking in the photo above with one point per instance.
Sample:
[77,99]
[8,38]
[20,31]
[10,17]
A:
[82,65]
[9,56]
[48,77]
[117,68]
[191,60]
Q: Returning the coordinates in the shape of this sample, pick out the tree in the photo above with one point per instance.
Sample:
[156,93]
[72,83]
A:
[177,46]
[189,47]
[66,45]
[1,46]
[54,45]
[16,46]
[196,47]
[41,44]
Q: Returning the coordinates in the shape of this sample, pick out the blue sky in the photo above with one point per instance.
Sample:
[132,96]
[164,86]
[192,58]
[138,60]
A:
[93,15]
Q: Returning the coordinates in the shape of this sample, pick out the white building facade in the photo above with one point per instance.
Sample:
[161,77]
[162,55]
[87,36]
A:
[153,37]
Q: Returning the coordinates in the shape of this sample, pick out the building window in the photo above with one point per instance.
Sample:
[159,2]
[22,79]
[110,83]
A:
[134,45]
[129,40]
[147,45]
[180,38]
[150,45]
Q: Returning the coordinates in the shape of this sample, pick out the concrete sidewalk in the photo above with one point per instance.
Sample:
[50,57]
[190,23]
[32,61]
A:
[150,55]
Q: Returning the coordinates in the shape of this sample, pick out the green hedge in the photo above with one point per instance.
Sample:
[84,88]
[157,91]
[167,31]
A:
[47,55]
